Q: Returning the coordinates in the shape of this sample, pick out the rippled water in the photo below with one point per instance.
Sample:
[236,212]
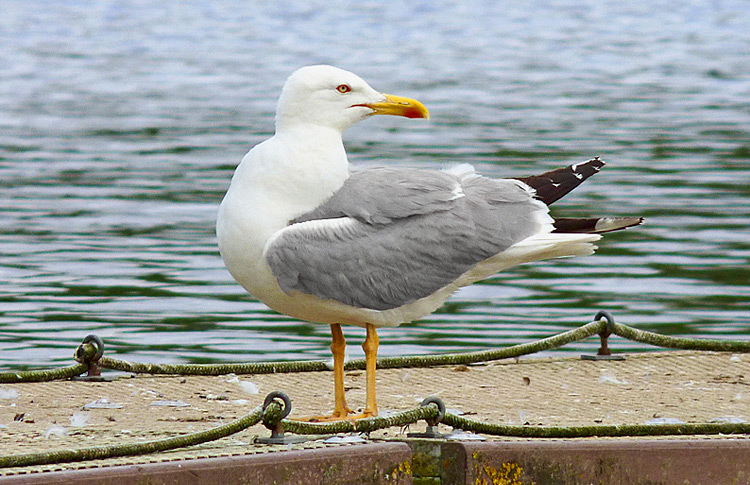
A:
[121,124]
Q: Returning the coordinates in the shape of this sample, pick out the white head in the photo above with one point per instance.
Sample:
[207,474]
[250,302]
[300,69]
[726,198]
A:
[331,97]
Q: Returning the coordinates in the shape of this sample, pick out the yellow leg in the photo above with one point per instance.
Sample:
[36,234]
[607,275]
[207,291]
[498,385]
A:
[338,349]
[370,346]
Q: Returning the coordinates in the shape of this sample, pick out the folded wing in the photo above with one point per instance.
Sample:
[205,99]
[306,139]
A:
[389,237]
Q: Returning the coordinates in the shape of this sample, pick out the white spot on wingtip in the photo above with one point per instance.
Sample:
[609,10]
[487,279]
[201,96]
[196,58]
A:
[462,170]
[457,192]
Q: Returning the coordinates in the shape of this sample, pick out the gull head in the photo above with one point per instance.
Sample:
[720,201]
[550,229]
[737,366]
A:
[334,98]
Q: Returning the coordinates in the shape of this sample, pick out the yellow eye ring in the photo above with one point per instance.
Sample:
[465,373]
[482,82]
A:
[343,88]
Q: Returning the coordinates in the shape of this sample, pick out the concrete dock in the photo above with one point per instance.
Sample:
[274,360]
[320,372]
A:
[651,387]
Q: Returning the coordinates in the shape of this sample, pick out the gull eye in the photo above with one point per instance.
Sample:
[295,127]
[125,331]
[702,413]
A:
[343,88]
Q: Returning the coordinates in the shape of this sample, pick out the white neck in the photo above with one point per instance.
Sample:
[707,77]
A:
[292,173]
[280,179]
[316,153]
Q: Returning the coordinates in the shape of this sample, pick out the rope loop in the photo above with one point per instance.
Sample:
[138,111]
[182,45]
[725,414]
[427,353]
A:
[272,415]
[610,328]
[604,351]
[441,409]
[278,394]
[83,355]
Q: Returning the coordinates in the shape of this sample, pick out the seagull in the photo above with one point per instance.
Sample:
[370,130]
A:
[312,238]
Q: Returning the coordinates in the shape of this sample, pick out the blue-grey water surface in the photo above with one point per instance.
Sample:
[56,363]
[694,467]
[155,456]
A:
[121,123]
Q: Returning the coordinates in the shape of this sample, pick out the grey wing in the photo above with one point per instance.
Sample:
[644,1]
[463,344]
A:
[389,237]
[379,195]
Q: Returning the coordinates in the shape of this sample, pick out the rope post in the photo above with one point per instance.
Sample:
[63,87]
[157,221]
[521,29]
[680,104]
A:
[84,356]
[604,353]
[273,413]
[432,423]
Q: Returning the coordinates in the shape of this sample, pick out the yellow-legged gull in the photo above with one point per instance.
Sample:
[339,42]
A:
[375,248]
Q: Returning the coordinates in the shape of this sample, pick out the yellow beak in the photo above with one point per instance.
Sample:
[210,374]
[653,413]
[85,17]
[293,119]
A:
[399,106]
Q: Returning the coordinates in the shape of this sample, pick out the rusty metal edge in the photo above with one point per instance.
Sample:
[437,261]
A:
[662,461]
[344,464]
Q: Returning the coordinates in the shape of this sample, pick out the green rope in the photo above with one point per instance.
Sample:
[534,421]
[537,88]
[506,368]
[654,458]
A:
[269,417]
[596,430]
[580,333]
[214,369]
[273,411]
[361,425]
[132,449]
[44,375]
[83,354]
[667,341]
[554,341]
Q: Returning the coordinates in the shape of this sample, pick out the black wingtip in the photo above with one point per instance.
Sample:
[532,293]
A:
[595,225]
[554,185]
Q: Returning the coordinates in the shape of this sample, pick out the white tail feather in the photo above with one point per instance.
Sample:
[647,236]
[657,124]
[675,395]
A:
[535,248]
